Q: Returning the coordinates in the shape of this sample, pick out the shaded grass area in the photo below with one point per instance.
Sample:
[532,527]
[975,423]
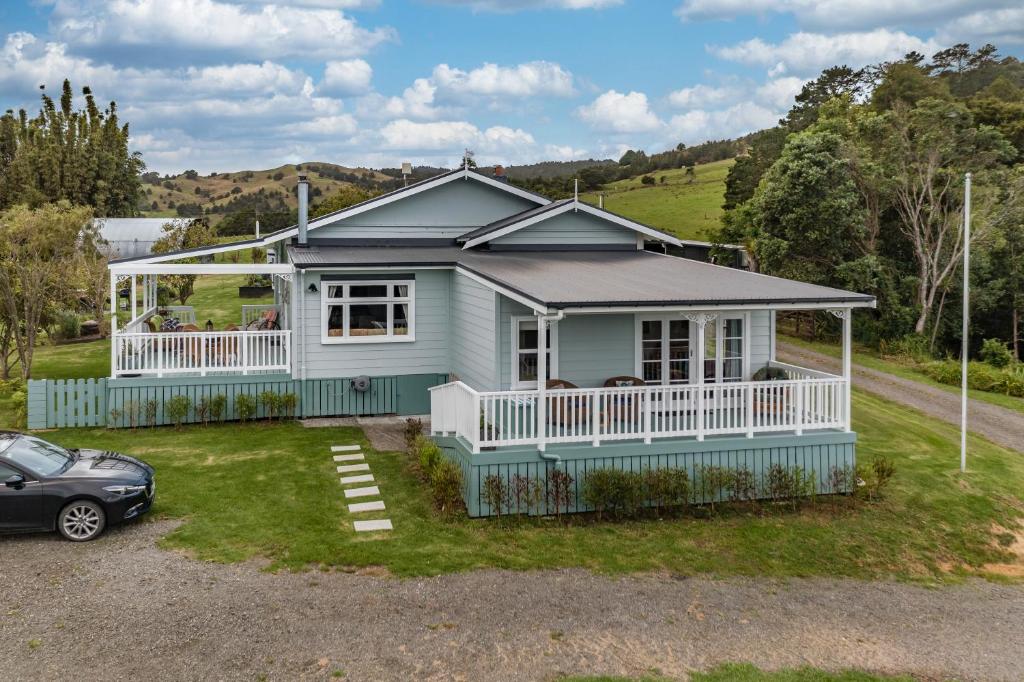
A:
[683,208]
[271,491]
[871,358]
[733,672]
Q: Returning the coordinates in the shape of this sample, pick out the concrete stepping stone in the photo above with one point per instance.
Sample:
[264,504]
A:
[356,507]
[362,492]
[344,448]
[348,458]
[353,467]
[365,478]
[378,524]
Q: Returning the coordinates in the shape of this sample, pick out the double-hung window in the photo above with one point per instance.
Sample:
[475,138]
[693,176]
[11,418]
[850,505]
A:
[368,311]
[525,352]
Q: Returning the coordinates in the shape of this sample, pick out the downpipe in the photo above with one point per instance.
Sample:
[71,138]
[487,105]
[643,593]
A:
[544,455]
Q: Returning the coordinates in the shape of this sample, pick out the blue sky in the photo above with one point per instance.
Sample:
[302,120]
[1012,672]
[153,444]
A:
[232,84]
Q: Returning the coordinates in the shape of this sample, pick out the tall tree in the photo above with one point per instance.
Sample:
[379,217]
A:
[62,153]
[928,150]
[38,251]
[182,234]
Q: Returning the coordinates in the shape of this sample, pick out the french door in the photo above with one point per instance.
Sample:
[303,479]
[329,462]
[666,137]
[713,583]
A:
[666,349]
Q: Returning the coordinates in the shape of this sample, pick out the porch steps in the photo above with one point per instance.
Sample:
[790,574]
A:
[357,507]
[366,526]
[348,468]
[364,478]
[344,448]
[362,492]
[348,458]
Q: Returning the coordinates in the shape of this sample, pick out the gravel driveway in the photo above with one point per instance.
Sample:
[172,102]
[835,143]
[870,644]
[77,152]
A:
[120,608]
[996,423]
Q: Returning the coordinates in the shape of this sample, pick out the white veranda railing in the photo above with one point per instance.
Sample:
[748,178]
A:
[501,418]
[161,353]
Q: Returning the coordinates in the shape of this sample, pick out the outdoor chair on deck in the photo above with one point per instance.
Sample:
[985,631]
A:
[573,410]
[622,407]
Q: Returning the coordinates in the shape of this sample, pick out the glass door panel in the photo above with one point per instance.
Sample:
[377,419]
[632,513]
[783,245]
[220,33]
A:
[679,352]
[651,350]
[710,352]
[732,349]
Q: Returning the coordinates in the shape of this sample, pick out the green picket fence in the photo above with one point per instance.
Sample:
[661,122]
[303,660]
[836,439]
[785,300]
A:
[140,401]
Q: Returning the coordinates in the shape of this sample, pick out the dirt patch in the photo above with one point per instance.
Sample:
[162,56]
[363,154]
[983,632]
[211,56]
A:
[1008,540]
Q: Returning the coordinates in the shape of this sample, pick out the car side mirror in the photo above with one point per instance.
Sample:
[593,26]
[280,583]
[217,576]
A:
[16,481]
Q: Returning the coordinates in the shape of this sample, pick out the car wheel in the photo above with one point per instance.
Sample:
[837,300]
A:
[81,521]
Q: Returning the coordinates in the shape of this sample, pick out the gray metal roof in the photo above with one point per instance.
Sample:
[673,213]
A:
[132,237]
[567,279]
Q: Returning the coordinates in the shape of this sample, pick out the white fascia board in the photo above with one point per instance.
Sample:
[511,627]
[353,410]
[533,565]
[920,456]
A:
[398,195]
[515,227]
[211,250]
[588,310]
[137,268]
[504,291]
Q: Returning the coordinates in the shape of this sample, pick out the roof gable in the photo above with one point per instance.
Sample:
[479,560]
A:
[507,226]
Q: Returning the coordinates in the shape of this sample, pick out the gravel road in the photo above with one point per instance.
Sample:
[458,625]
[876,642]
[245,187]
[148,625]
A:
[120,608]
[996,423]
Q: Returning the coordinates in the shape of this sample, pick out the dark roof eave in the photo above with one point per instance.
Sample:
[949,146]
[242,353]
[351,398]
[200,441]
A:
[561,305]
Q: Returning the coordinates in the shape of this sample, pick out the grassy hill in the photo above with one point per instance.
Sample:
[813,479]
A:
[686,207]
[272,189]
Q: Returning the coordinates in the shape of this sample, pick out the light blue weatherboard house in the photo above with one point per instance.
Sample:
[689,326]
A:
[539,335]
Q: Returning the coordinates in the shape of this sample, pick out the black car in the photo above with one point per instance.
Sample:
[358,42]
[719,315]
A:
[78,492]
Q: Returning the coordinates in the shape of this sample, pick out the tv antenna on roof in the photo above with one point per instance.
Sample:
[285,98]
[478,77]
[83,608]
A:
[406,172]
[467,158]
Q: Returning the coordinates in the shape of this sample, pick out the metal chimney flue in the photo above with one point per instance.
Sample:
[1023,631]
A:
[303,208]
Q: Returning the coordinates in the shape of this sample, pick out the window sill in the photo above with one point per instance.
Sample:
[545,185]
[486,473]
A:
[341,341]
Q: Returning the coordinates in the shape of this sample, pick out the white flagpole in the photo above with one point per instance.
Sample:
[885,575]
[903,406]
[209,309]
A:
[966,323]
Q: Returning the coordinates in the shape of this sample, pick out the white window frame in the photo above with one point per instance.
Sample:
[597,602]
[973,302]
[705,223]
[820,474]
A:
[518,385]
[326,301]
[665,341]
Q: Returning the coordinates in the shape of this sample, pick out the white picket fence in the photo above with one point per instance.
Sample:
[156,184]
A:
[238,352]
[502,418]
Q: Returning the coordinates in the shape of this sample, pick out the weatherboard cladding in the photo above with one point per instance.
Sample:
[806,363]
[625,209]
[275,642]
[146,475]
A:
[568,279]
[570,228]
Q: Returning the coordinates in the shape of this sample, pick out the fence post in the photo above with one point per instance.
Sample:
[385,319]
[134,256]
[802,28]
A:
[245,352]
[159,355]
[475,423]
[645,397]
[595,416]
[750,410]
[799,408]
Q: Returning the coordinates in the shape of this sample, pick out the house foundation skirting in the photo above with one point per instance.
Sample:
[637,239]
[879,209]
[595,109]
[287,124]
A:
[812,452]
[118,402]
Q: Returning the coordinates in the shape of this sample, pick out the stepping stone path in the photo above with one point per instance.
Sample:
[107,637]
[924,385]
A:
[352,462]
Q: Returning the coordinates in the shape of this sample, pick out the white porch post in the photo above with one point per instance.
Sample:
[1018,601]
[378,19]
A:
[542,380]
[113,325]
[134,298]
[846,315]
[700,320]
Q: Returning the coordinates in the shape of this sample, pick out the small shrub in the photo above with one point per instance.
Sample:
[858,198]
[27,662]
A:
[413,429]
[245,407]
[176,409]
[878,476]
[9,387]
[806,486]
[656,487]
[19,397]
[115,418]
[203,410]
[519,490]
[713,481]
[779,483]
[559,491]
[840,480]
[289,403]
[995,353]
[133,412]
[619,493]
[599,491]
[150,409]
[271,403]
[742,485]
[677,488]
[494,494]
[428,454]
[446,486]
[910,347]
[66,325]
[218,407]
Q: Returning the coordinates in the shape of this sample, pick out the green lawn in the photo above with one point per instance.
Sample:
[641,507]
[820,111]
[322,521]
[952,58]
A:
[271,491]
[732,672]
[870,358]
[687,210]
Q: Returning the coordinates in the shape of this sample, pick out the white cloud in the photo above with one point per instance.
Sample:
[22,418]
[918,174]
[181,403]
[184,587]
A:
[1000,26]
[700,125]
[328,126]
[779,92]
[165,27]
[808,53]
[523,80]
[516,5]
[613,111]
[416,101]
[702,95]
[452,135]
[841,14]
[559,152]
[348,77]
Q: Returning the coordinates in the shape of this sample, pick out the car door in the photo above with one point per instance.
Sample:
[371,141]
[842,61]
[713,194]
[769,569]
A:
[21,504]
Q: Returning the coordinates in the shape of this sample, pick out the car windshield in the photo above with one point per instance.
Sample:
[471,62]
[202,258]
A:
[38,456]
